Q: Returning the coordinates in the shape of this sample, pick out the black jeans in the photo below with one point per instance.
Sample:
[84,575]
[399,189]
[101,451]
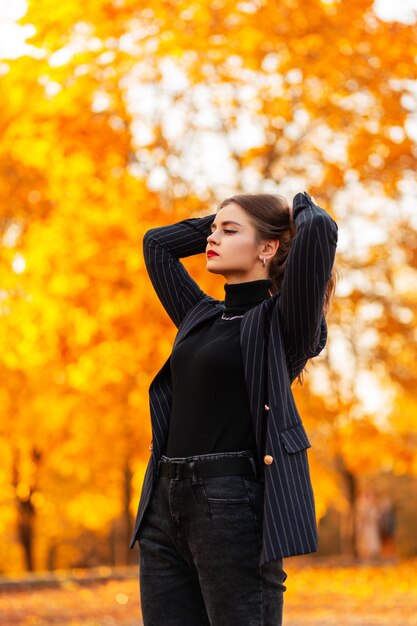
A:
[199,545]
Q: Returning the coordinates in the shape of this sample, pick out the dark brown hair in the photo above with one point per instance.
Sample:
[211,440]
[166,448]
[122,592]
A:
[270,215]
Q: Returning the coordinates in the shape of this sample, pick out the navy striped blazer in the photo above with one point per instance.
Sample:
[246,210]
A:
[277,337]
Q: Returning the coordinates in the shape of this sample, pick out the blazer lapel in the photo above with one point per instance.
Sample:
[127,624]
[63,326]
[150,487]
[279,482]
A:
[201,311]
[160,391]
[252,334]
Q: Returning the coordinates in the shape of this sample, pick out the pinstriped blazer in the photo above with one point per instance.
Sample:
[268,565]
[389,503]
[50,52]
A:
[277,337]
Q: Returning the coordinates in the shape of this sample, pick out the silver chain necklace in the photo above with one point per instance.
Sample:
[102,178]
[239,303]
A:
[224,317]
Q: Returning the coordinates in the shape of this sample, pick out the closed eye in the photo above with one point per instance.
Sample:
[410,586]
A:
[226,230]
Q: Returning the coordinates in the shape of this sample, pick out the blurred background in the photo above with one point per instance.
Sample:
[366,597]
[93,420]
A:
[120,115]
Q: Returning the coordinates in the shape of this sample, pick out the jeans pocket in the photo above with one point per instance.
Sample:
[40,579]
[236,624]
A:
[226,490]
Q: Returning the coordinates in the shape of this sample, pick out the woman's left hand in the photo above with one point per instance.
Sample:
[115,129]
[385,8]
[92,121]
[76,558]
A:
[312,198]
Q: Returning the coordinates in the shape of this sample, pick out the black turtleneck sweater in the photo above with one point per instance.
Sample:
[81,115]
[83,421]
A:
[210,406]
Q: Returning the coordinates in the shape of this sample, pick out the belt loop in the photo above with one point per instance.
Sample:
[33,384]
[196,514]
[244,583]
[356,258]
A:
[254,466]
[193,473]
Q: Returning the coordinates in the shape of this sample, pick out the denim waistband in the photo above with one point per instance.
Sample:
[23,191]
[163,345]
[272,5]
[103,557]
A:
[190,465]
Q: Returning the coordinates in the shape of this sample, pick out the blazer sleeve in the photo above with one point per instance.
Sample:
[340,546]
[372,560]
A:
[163,246]
[308,269]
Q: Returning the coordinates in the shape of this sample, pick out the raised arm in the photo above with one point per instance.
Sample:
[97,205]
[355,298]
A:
[308,269]
[162,248]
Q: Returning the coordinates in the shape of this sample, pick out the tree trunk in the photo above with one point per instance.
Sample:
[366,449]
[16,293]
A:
[25,509]
[348,531]
[26,516]
[122,526]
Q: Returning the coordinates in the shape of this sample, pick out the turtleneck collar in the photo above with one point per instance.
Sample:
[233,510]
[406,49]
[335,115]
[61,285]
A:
[240,297]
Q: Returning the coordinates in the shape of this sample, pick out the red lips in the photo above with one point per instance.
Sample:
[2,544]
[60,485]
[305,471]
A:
[212,253]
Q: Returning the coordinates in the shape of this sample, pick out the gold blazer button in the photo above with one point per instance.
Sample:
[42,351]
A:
[266,407]
[268,459]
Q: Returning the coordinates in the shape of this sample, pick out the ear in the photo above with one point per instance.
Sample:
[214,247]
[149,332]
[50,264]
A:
[270,246]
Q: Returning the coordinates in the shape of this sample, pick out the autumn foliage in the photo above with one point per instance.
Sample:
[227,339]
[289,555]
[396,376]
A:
[106,130]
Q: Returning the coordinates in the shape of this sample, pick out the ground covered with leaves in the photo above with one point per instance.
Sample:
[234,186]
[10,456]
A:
[318,594]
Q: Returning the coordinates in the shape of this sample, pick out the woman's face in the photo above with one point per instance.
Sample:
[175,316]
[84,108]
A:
[238,257]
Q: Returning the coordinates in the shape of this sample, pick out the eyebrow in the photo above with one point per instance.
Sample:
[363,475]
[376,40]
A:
[226,222]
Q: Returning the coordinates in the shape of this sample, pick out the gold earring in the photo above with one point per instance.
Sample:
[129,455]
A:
[263,261]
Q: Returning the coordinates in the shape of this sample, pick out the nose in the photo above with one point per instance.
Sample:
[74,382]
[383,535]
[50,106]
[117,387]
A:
[210,238]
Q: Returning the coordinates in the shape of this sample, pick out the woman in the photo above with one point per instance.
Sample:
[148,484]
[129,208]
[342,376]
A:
[227,491]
